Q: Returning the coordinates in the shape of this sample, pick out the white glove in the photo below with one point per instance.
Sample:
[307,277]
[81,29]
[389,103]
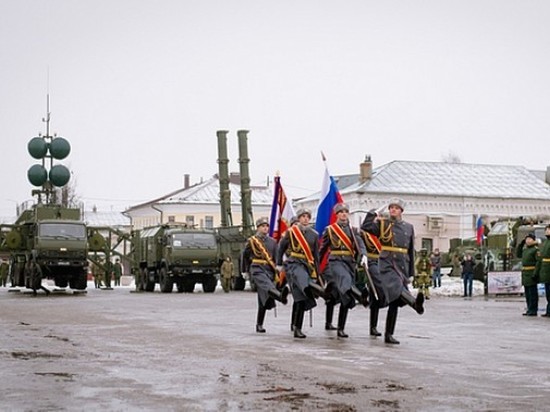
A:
[279,268]
[364,260]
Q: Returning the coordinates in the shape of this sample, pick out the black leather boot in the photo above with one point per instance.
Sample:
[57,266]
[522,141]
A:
[293,316]
[416,303]
[317,291]
[390,325]
[299,321]
[374,321]
[360,297]
[342,317]
[328,316]
[281,296]
[260,320]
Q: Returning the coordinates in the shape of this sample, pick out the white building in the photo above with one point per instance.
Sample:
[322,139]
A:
[443,200]
[199,205]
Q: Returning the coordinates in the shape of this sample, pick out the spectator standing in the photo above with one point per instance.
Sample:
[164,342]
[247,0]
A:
[468,266]
[435,259]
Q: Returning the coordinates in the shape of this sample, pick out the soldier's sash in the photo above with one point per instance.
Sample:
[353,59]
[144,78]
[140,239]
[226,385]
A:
[299,236]
[263,251]
[343,237]
[374,240]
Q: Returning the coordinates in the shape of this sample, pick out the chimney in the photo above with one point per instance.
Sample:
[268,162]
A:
[186,181]
[365,170]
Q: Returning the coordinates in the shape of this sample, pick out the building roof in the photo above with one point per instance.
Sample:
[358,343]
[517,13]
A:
[96,218]
[448,179]
[208,192]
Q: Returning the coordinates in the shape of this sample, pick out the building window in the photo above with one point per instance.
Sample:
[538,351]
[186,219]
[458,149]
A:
[209,222]
[427,244]
[171,219]
[190,220]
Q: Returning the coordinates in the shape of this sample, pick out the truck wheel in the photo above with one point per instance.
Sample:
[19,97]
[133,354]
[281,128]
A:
[147,285]
[238,283]
[209,284]
[79,282]
[179,285]
[61,282]
[166,283]
[188,286]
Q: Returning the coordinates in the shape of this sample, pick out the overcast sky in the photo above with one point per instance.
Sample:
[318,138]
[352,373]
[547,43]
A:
[139,88]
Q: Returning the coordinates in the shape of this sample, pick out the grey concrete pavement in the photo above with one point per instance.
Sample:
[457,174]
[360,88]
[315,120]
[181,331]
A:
[116,350]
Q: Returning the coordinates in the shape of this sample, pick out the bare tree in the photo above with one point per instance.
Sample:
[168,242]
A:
[451,157]
[67,195]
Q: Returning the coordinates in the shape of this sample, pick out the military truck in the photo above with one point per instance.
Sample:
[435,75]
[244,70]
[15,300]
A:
[49,239]
[48,242]
[171,254]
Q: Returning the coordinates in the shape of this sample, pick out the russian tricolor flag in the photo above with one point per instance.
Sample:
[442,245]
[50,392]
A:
[480,230]
[330,196]
[281,211]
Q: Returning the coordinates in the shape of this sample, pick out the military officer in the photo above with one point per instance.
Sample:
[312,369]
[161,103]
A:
[373,246]
[300,244]
[542,271]
[528,252]
[258,259]
[345,246]
[3,272]
[117,271]
[423,272]
[396,262]
[226,272]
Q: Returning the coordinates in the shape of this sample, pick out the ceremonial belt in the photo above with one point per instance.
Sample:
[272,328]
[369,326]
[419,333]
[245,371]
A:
[298,255]
[397,249]
[342,236]
[546,260]
[373,255]
[340,253]
[260,261]
[529,267]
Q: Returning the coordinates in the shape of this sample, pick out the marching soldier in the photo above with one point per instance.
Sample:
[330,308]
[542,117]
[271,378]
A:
[258,259]
[528,252]
[300,243]
[377,301]
[423,273]
[542,271]
[345,245]
[396,262]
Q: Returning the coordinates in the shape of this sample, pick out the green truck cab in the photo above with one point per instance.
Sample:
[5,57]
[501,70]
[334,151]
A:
[48,242]
[171,254]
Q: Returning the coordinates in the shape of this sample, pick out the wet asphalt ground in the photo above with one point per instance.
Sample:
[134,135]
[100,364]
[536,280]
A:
[116,350]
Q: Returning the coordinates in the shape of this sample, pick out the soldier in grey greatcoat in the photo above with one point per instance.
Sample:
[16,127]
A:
[345,246]
[378,300]
[300,244]
[258,259]
[396,262]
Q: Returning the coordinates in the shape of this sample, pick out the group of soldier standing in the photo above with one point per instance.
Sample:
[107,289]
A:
[310,267]
[535,270]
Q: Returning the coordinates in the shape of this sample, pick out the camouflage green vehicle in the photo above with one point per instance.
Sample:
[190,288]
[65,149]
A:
[47,242]
[171,254]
